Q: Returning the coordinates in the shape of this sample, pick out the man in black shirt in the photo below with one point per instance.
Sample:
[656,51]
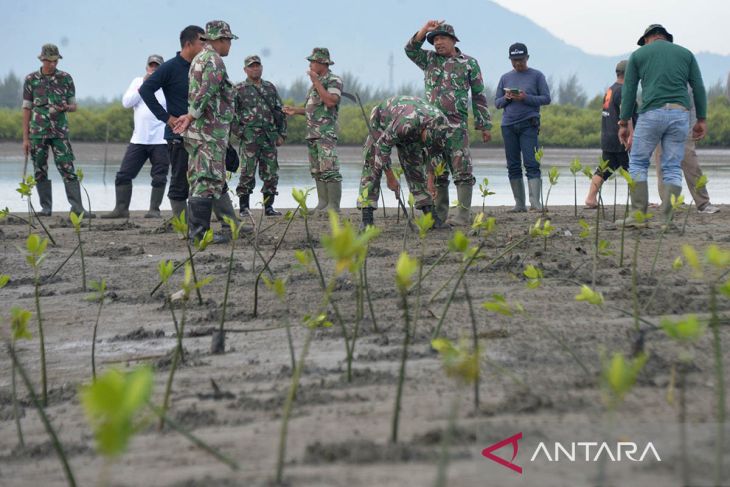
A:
[172,78]
[613,151]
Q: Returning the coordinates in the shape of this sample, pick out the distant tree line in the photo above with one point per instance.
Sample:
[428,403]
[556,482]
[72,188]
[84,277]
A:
[571,121]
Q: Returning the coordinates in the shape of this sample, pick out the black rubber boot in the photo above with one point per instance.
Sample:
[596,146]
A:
[367,217]
[198,216]
[73,194]
[178,206]
[243,205]
[269,205]
[124,196]
[438,224]
[155,202]
[45,195]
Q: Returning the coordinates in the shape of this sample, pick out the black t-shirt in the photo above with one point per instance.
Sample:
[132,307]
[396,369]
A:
[609,119]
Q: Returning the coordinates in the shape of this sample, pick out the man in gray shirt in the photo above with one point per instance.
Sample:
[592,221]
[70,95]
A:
[520,93]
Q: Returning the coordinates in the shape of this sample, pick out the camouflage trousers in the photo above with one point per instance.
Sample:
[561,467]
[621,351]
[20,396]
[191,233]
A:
[63,156]
[457,158]
[412,159]
[323,163]
[258,148]
[206,167]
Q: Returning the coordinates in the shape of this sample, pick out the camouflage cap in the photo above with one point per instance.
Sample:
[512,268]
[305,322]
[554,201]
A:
[50,52]
[218,29]
[621,66]
[442,30]
[155,58]
[655,29]
[437,134]
[251,60]
[320,55]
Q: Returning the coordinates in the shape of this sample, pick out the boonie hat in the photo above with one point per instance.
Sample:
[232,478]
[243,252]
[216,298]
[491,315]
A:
[653,29]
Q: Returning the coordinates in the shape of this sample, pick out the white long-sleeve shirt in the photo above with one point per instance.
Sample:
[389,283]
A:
[147,129]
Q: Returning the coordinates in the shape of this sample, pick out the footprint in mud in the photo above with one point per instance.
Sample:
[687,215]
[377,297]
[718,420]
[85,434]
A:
[115,251]
[138,334]
[192,417]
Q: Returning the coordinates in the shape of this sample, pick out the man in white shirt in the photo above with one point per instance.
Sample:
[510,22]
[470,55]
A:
[148,142]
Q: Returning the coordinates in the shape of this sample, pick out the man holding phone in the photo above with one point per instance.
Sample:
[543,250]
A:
[520,93]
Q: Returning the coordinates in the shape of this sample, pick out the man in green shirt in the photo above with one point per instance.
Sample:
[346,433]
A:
[665,69]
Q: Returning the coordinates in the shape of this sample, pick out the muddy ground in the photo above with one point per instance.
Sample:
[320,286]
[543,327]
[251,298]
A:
[339,431]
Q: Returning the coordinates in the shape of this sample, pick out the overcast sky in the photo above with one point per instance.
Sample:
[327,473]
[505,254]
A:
[608,26]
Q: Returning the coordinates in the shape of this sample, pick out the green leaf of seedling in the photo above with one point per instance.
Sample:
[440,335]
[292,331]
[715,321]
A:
[303,256]
[587,172]
[4,279]
[717,257]
[724,288]
[19,319]
[235,228]
[602,164]
[541,229]
[534,276]
[202,243]
[277,286]
[604,248]
[539,153]
[411,201]
[676,201]
[458,362]
[99,289]
[620,374]
[300,196]
[165,268]
[641,217]
[585,228]
[179,223]
[701,182]
[459,242]
[397,172]
[4,213]
[289,215]
[575,166]
[627,177]
[484,188]
[424,224]
[693,260]
[590,296]
[553,175]
[346,245]
[36,246]
[76,220]
[677,264]
[318,321]
[498,304]
[439,168]
[80,174]
[687,330]
[482,224]
[111,403]
[404,270]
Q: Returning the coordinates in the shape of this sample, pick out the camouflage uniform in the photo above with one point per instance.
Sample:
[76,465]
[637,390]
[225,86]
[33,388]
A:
[322,125]
[43,95]
[258,129]
[211,103]
[448,81]
[399,122]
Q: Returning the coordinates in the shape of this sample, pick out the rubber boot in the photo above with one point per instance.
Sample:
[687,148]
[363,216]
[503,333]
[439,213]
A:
[463,211]
[45,195]
[223,207]
[155,202]
[334,195]
[73,194]
[639,202]
[322,198]
[438,223]
[666,208]
[124,196]
[244,202]
[518,191]
[178,207]
[441,204]
[269,205]
[367,217]
[198,213]
[535,187]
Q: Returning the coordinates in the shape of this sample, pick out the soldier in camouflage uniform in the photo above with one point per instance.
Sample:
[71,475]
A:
[47,95]
[321,109]
[261,128]
[418,130]
[449,75]
[206,127]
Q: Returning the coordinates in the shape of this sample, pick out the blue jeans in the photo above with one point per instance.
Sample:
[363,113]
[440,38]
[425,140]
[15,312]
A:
[668,127]
[520,144]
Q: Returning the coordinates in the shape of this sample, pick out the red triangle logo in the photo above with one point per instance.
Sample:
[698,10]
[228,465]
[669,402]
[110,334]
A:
[487,452]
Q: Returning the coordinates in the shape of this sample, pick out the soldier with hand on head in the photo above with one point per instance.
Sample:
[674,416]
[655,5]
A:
[206,127]
[148,142]
[449,76]
[420,132]
[261,128]
[321,109]
[48,94]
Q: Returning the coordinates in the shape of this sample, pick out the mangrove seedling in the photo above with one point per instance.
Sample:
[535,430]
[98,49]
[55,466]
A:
[462,365]
[278,287]
[99,288]
[641,219]
[312,323]
[180,224]
[19,319]
[534,276]
[630,187]
[480,224]
[485,191]
[424,223]
[699,185]
[218,345]
[76,221]
[553,175]
[675,203]
[404,270]
[80,175]
[36,254]
[575,168]
[590,296]
[165,269]
[25,189]
[540,229]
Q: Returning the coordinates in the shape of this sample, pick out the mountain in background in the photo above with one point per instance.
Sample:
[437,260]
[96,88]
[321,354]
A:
[105,44]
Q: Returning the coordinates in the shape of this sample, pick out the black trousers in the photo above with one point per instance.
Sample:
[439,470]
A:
[178,190]
[135,157]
